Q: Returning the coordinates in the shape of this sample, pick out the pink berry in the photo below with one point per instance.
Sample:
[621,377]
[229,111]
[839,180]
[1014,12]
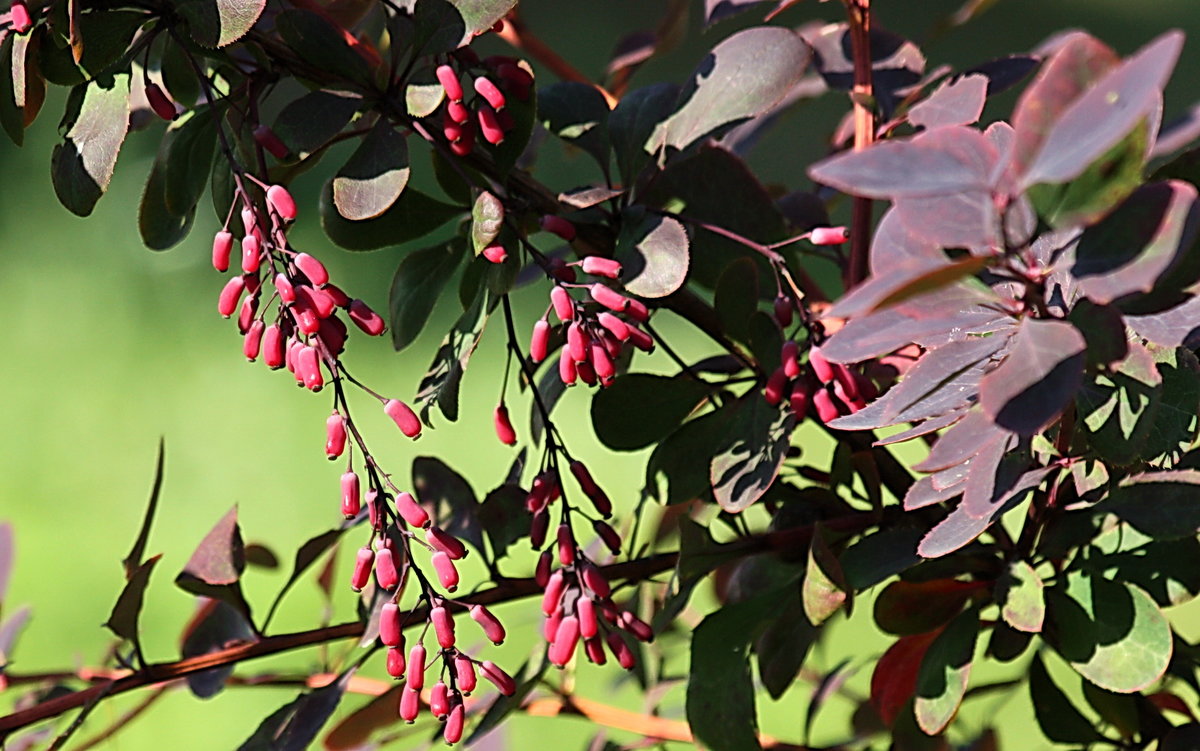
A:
[315,299]
[372,502]
[309,266]
[609,298]
[577,344]
[600,266]
[636,310]
[463,145]
[848,380]
[366,319]
[464,674]
[251,254]
[266,138]
[308,367]
[566,638]
[389,625]
[504,426]
[602,363]
[273,350]
[567,372]
[489,125]
[448,78]
[620,650]
[439,700]
[410,703]
[566,545]
[500,679]
[307,320]
[340,298]
[636,626]
[351,496]
[821,367]
[564,306]
[539,343]
[386,575]
[457,112]
[249,220]
[829,236]
[443,626]
[594,580]
[594,648]
[281,200]
[454,129]
[799,399]
[156,97]
[453,732]
[416,667]
[363,563]
[541,573]
[404,417]
[495,253]
[20,18]
[553,593]
[639,338]
[446,542]
[446,572]
[558,226]
[231,293]
[253,341]
[395,661]
[822,402]
[853,402]
[538,526]
[585,609]
[586,372]
[615,326]
[593,491]
[246,314]
[333,334]
[789,356]
[410,510]
[775,387]
[486,89]
[492,628]
[222,248]
[283,286]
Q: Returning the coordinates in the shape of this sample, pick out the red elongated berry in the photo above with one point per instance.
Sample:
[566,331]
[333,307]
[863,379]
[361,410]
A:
[558,226]
[566,545]
[636,626]
[465,142]
[283,285]
[486,89]
[315,298]
[577,344]
[799,399]
[594,648]
[585,610]
[620,650]
[593,491]
[637,310]
[489,125]
[395,661]
[789,356]
[410,703]
[231,294]
[453,732]
[594,580]
[822,402]
[386,574]
[457,112]
[446,572]
[351,496]
[600,266]
[454,129]
[500,679]
[853,402]
[443,626]
[249,220]
[364,561]
[448,78]
[541,573]
[246,314]
[586,372]
[372,502]
[601,363]
[613,325]
[535,503]
[821,367]
[566,638]
[20,19]
[416,667]
[253,341]
[333,334]
[504,426]
[493,629]
[222,249]
[266,138]
[464,674]
[829,236]
[564,306]
[158,100]
[411,511]
[404,417]
[273,349]
[783,310]
[776,387]
[612,345]
[251,254]
[567,371]
[366,319]
[553,593]
[847,379]
[389,625]
[539,343]
[550,625]
[641,339]
[446,542]
[608,535]
[281,200]
[495,253]
[340,298]
[307,320]
[439,700]
[293,347]
[608,297]
[312,268]
[308,367]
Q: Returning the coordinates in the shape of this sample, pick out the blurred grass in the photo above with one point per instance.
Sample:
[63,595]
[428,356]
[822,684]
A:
[110,347]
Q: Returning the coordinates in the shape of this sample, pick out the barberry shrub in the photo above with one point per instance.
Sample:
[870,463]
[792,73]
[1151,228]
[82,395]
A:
[1016,294]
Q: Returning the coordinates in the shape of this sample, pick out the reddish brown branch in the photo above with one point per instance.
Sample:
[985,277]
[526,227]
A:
[859,12]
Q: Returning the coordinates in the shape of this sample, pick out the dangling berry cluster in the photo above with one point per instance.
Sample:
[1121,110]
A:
[830,389]
[487,110]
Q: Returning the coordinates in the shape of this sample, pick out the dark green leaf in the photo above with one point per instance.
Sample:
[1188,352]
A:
[577,113]
[662,404]
[720,693]
[699,554]
[824,590]
[942,680]
[159,227]
[735,298]
[416,287]
[371,181]
[1022,598]
[451,496]
[481,15]
[1038,379]
[880,555]
[1118,409]
[108,34]
[524,116]
[675,456]
[319,43]
[307,123]
[216,23]
[653,251]
[487,218]
[784,644]
[22,88]
[123,620]
[1175,421]
[751,455]
[1161,505]
[1058,718]
[441,383]
[295,725]
[632,122]
[190,141]
[178,75]
[134,560]
[1118,710]
[96,120]
[503,517]
[413,215]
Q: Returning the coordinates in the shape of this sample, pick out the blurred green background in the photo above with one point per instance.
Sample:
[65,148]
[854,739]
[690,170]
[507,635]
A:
[110,347]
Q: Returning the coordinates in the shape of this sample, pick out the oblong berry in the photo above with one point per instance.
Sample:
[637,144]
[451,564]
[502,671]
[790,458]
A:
[613,325]
[273,347]
[457,112]
[386,574]
[602,364]
[776,387]
[783,310]
[640,339]
[246,314]
[594,580]
[789,355]
[410,703]
[585,610]
[335,435]
[550,626]
[799,399]
[620,650]
[312,268]
[594,648]
[541,573]
[439,700]
[489,125]
[366,319]
[453,732]
[821,367]
[600,266]
[593,491]
[463,145]
[372,502]
[332,333]
[416,667]
[464,674]
[389,625]
[488,90]
[636,626]
[448,78]
[822,402]
[283,286]
[446,542]
[308,367]
[253,341]
[314,298]
[586,372]
[539,343]
[251,254]
[577,344]
[566,545]
[281,200]
[19,18]
[500,679]
[351,495]
[495,253]
[829,236]
[608,297]
[566,638]
[340,298]
[396,662]
[443,626]
[222,249]
[410,510]
[605,532]
[404,417]
[504,426]
[853,402]
[558,226]
[157,98]
[637,310]
[364,561]
[266,138]
[553,594]
[231,294]
[567,371]
[493,629]
[446,572]
[564,306]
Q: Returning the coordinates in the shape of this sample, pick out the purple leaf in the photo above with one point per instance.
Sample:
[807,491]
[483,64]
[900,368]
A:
[1135,246]
[966,219]
[895,244]
[216,626]
[993,475]
[1178,133]
[922,493]
[717,10]
[654,255]
[134,559]
[955,102]
[10,631]
[896,63]
[123,620]
[1177,326]
[374,176]
[453,499]
[1040,377]
[1005,72]
[928,426]
[917,279]
[1106,113]
[960,443]
[220,557]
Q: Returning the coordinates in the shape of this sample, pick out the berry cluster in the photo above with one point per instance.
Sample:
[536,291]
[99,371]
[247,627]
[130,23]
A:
[486,111]
[830,389]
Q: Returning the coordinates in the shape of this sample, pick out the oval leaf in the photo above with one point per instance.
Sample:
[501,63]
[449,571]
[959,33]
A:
[373,178]
[942,680]
[654,256]
[216,23]
[418,283]
[96,120]
[752,452]
[662,403]
[1038,379]
[413,215]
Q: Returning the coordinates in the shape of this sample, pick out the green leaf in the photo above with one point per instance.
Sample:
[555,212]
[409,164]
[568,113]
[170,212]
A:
[752,453]
[720,693]
[1022,597]
[160,227]
[1118,409]
[108,35]
[1161,505]
[675,456]
[319,43]
[699,554]
[487,219]
[1118,710]
[413,215]
[784,644]
[1175,423]
[123,620]
[423,99]
[578,114]
[1058,718]
[22,88]
[880,555]
[308,123]
[416,287]
[942,679]
[735,298]
[663,403]
[192,143]
[632,122]
[653,251]
[481,15]
[96,120]
[440,385]
[744,76]
[504,518]
[178,75]
[1112,633]
[371,181]
[452,497]
[217,23]
[824,590]
[295,725]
